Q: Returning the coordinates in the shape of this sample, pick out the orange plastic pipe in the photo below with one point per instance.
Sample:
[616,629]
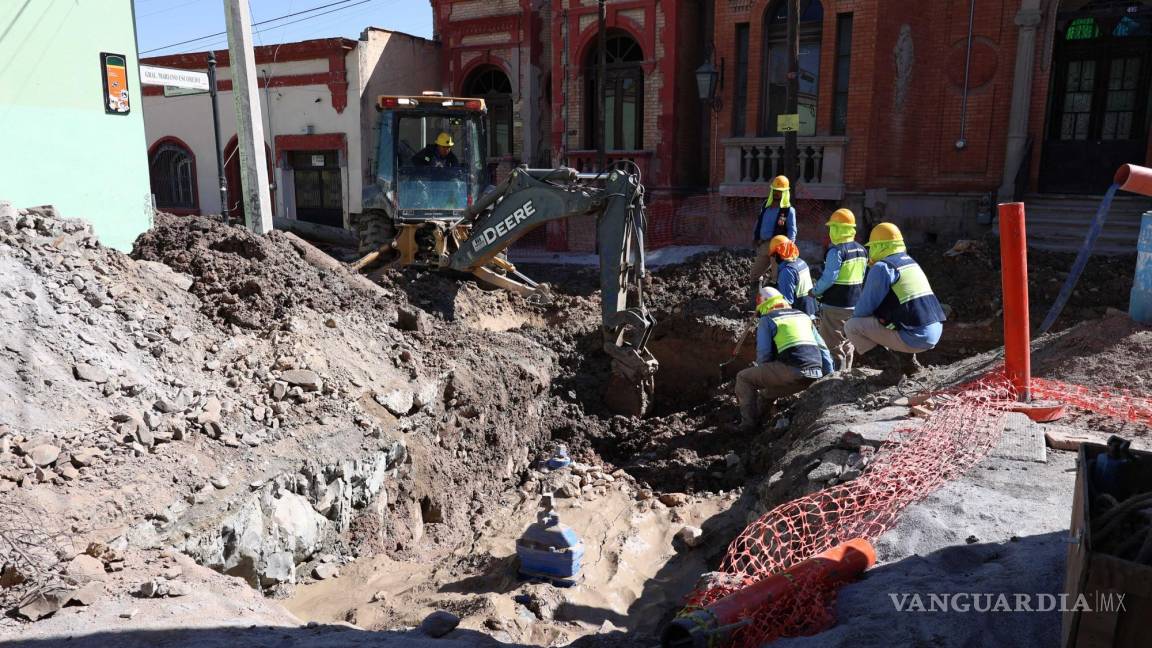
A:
[1014,283]
[1135,179]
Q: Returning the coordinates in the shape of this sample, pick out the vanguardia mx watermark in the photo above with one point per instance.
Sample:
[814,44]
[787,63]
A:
[984,602]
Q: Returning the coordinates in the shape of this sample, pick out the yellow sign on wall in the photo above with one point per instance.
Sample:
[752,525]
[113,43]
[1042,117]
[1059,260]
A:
[788,123]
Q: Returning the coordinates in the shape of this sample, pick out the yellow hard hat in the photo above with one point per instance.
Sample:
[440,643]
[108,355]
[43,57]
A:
[768,298]
[885,233]
[780,183]
[842,216]
[444,139]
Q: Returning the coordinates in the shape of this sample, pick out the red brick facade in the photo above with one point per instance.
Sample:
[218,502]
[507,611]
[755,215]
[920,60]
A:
[920,82]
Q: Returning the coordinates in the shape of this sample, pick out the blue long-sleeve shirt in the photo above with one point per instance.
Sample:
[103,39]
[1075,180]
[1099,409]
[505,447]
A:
[787,281]
[832,263]
[766,351]
[877,283]
[766,224]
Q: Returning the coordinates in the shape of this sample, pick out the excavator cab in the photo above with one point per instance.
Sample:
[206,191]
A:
[423,188]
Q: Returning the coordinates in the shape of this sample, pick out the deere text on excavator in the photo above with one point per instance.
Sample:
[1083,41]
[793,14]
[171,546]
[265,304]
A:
[431,206]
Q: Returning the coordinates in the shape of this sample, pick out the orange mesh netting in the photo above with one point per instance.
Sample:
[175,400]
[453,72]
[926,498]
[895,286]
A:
[913,464]
[1117,403]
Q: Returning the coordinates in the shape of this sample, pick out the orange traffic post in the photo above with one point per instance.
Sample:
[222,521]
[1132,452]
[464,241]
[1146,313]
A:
[1014,283]
[712,625]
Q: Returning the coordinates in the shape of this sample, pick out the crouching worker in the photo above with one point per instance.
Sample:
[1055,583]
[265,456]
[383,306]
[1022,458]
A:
[790,356]
[794,280]
[897,315]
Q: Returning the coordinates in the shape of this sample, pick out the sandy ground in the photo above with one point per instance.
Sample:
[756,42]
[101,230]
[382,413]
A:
[633,574]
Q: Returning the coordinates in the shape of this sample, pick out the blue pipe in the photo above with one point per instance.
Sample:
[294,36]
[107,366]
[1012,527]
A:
[1140,307]
[1081,260]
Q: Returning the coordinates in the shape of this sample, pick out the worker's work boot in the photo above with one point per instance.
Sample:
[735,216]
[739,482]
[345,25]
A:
[909,365]
[887,362]
[749,416]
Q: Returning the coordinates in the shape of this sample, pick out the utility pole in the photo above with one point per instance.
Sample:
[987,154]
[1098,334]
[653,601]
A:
[249,123]
[601,99]
[792,97]
[223,180]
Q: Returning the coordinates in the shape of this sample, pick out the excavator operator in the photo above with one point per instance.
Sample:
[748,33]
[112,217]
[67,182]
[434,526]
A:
[438,153]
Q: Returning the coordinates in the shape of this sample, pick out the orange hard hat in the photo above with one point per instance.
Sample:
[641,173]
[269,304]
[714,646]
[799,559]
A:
[783,246]
[780,183]
[885,233]
[842,216]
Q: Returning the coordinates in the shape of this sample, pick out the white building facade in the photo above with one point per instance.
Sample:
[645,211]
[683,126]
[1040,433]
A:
[318,100]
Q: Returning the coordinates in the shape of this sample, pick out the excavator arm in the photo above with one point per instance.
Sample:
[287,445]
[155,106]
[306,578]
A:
[529,198]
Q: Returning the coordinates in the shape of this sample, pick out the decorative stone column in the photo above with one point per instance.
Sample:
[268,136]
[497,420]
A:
[1027,19]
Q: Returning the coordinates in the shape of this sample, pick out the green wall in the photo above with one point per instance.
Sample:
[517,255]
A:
[57,145]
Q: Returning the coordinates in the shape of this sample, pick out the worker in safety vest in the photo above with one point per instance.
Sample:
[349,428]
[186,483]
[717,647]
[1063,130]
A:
[897,315]
[839,286]
[790,356]
[794,279]
[777,218]
[438,153]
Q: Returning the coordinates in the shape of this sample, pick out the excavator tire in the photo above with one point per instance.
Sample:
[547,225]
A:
[373,229]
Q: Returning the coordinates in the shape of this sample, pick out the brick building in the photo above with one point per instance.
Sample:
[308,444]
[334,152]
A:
[922,113]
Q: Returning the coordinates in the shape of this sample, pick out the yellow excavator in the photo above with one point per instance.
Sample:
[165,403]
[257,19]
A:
[431,206]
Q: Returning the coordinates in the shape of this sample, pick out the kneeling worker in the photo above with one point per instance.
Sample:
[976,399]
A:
[897,315]
[838,288]
[794,279]
[790,356]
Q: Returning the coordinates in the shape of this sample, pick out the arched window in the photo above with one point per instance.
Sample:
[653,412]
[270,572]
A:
[774,66]
[623,94]
[491,84]
[172,170]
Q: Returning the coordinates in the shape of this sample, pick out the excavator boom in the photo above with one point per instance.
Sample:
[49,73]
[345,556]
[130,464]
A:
[529,198]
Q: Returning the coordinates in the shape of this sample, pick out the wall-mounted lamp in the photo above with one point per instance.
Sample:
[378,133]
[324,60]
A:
[709,80]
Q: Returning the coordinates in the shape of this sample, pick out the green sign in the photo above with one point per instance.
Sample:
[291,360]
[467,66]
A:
[788,123]
[1082,29]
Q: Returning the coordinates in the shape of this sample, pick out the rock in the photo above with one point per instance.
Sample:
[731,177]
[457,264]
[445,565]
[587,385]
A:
[220,481]
[179,334]
[673,499]
[42,603]
[305,378]
[86,595]
[44,475]
[732,459]
[643,494]
[849,474]
[44,455]
[324,571]
[566,491]
[298,524]
[691,536]
[128,614]
[410,318]
[279,390]
[210,412]
[379,597]
[154,588]
[90,373]
[397,401]
[279,567]
[178,588]
[826,471]
[85,568]
[145,436]
[69,472]
[439,623]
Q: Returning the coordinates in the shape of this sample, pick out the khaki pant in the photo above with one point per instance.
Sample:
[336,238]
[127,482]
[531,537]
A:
[831,325]
[773,380]
[865,333]
[764,262]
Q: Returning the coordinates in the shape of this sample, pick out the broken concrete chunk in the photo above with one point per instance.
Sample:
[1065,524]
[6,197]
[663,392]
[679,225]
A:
[42,603]
[279,390]
[325,571]
[825,471]
[674,499]
[410,318]
[304,378]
